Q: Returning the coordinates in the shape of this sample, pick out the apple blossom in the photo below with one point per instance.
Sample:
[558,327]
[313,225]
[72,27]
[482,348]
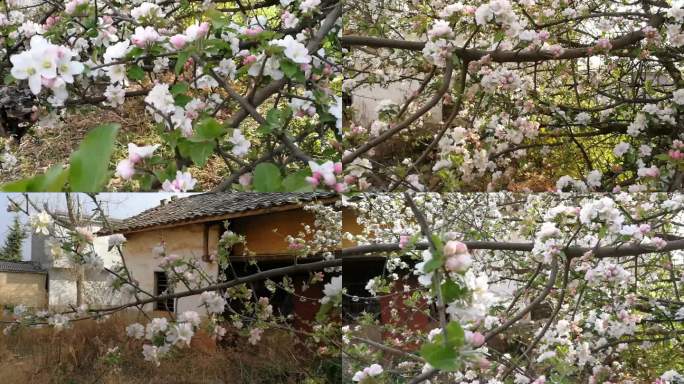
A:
[240,144]
[294,50]
[368,372]
[184,182]
[125,169]
[332,290]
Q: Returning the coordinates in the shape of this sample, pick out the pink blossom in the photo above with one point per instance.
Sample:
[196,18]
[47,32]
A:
[483,363]
[197,31]
[51,21]
[338,168]
[604,43]
[313,181]
[144,37]
[170,259]
[659,243]
[458,263]
[325,172]
[255,335]
[340,187]
[249,59]
[136,154]
[253,31]
[675,154]
[454,248]
[125,169]
[403,241]
[184,182]
[476,339]
[245,179]
[178,41]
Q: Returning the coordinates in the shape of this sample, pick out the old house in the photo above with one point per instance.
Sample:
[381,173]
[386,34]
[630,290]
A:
[68,284]
[192,227]
[23,282]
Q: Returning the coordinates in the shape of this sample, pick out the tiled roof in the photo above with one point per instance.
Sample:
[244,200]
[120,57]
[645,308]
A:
[197,207]
[20,266]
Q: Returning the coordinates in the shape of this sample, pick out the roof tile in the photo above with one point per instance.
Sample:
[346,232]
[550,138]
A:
[20,266]
[199,206]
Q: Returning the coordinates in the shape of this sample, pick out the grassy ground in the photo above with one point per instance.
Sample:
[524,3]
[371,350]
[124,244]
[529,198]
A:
[79,355]
[40,149]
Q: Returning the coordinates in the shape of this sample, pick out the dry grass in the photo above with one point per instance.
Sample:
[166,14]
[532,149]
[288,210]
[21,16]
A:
[79,355]
[41,149]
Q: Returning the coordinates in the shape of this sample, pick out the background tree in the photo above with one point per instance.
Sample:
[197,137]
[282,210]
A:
[11,250]
[514,95]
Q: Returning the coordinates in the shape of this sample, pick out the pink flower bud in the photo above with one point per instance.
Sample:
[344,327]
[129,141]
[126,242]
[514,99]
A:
[313,181]
[51,21]
[250,59]
[134,158]
[253,31]
[403,241]
[459,262]
[483,363]
[203,28]
[338,168]
[178,41]
[454,247]
[125,169]
[245,179]
[476,339]
[340,187]
[675,154]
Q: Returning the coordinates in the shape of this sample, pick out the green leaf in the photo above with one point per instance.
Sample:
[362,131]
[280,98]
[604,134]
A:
[135,52]
[292,71]
[51,181]
[440,356]
[273,122]
[169,172]
[136,73]
[179,88]
[452,291]
[181,100]
[180,62]
[217,18]
[216,45]
[432,265]
[88,171]
[267,178]
[9,79]
[198,151]
[455,334]
[444,355]
[209,129]
[296,182]
[323,311]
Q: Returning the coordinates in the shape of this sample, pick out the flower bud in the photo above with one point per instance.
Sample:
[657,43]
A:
[458,263]
[454,248]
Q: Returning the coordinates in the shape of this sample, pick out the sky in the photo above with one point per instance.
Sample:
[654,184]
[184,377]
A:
[119,206]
